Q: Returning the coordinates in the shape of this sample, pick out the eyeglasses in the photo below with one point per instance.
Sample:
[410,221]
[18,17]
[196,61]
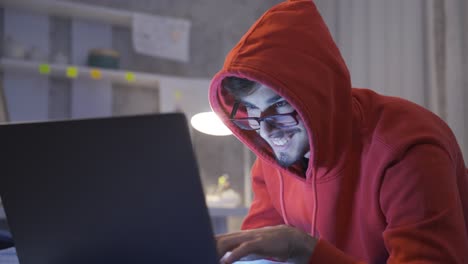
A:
[253,123]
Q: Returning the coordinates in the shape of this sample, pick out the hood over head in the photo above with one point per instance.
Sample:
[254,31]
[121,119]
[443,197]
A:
[290,50]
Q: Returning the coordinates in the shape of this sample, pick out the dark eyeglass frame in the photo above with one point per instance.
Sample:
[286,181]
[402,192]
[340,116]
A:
[293,114]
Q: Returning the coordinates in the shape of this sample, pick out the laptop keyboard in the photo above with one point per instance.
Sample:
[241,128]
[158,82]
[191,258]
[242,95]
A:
[8,256]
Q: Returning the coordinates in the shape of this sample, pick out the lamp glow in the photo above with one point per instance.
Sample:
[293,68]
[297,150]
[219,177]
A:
[209,123]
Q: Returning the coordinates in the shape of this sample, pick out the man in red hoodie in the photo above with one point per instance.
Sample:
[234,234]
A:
[343,175]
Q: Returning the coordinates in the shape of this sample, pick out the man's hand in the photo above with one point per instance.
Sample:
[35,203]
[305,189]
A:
[279,242]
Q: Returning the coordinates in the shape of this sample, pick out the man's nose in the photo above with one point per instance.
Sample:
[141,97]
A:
[266,128]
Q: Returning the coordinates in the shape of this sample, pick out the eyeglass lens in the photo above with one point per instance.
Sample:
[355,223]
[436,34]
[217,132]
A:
[275,120]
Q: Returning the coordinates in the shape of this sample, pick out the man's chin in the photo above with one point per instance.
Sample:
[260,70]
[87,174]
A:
[284,164]
[284,160]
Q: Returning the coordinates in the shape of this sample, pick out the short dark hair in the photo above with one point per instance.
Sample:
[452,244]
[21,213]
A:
[239,87]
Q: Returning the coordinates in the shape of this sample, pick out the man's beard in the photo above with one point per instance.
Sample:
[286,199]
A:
[284,160]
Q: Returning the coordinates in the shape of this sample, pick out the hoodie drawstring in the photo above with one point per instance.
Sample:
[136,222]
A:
[283,210]
[314,231]
[314,211]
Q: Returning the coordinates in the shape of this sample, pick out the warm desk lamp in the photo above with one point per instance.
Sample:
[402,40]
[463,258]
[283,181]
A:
[209,123]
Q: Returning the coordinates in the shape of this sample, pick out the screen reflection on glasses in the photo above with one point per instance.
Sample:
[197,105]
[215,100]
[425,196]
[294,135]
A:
[253,123]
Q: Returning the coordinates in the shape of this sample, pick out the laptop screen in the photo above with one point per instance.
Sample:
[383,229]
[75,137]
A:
[106,190]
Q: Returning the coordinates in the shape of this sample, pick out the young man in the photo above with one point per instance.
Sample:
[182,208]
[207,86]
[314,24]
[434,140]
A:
[343,175]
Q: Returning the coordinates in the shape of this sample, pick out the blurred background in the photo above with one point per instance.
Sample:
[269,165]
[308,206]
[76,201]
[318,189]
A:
[93,58]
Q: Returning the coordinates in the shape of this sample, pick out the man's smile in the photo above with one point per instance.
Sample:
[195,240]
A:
[281,140]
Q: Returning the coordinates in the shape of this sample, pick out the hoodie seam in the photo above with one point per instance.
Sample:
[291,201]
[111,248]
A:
[362,121]
[249,33]
[335,176]
[383,142]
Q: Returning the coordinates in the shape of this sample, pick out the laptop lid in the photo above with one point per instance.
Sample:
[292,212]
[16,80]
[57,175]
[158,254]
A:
[106,190]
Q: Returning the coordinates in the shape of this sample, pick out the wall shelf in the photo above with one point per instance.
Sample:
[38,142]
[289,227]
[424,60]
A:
[73,10]
[114,17]
[82,72]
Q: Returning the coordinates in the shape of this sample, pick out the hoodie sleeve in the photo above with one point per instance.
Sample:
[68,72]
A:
[421,201]
[261,213]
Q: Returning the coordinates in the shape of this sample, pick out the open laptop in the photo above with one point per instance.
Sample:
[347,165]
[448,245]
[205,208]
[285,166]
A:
[105,190]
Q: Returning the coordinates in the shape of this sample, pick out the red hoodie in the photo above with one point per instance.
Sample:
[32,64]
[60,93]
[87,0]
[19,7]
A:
[386,181]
